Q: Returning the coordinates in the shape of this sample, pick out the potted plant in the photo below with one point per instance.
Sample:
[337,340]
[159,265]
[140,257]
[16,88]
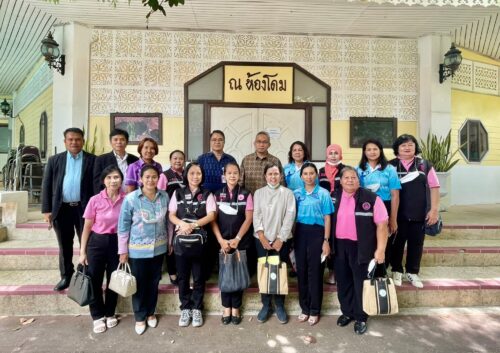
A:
[437,150]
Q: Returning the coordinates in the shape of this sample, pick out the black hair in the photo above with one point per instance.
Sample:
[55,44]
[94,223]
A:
[234,164]
[304,148]
[186,171]
[405,138]
[176,151]
[74,130]
[381,159]
[308,165]
[147,167]
[116,132]
[218,132]
[272,165]
[110,169]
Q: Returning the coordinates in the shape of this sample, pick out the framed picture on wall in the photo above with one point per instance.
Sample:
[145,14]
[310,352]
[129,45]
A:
[363,128]
[139,126]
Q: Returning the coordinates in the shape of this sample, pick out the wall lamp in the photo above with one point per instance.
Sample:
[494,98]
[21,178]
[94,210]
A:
[50,50]
[452,60]
[5,107]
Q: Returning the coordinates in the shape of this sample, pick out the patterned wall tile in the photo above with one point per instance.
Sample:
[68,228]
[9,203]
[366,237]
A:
[128,72]
[102,43]
[407,79]
[356,78]
[302,49]
[101,72]
[384,79]
[157,73]
[158,45]
[407,52]
[128,44]
[485,78]
[463,76]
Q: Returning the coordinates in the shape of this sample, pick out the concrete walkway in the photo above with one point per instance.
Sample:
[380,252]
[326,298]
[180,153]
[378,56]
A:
[442,332]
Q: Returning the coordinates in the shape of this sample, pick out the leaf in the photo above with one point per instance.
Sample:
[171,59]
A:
[437,152]
[28,321]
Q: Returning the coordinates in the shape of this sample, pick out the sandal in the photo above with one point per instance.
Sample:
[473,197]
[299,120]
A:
[302,317]
[111,321]
[99,325]
[313,320]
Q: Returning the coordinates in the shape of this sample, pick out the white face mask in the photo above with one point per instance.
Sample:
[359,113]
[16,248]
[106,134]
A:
[226,209]
[409,177]
[273,186]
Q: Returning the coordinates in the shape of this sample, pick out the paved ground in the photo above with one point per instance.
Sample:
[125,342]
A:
[440,332]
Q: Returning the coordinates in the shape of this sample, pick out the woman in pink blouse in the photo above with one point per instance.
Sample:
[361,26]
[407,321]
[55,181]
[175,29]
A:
[99,245]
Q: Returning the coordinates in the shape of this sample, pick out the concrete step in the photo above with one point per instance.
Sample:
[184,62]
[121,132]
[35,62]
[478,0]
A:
[30,293]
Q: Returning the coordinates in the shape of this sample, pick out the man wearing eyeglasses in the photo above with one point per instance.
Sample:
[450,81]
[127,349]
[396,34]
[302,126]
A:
[214,161]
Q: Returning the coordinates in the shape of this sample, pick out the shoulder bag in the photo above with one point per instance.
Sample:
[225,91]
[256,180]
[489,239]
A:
[233,271]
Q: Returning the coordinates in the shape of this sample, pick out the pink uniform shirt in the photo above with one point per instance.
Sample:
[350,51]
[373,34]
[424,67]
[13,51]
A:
[346,221]
[104,212]
[432,178]
[211,205]
[162,182]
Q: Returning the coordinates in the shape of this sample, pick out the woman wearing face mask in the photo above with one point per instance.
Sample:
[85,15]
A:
[191,208]
[99,246]
[311,242]
[418,205]
[142,241]
[329,178]
[232,230]
[273,219]
[381,178]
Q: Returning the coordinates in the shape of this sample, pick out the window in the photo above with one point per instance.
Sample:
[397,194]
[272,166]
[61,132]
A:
[473,140]
[43,134]
[21,135]
[364,128]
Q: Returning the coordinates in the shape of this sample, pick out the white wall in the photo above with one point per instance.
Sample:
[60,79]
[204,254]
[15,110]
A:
[474,184]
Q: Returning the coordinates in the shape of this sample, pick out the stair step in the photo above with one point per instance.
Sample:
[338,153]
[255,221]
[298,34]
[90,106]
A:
[30,293]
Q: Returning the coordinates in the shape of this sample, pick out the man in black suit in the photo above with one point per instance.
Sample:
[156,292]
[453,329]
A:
[67,187]
[118,156]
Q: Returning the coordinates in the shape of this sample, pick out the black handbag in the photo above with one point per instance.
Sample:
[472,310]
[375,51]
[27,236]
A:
[434,229]
[191,245]
[80,287]
[233,271]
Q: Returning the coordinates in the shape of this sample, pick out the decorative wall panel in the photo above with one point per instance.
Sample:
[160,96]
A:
[145,71]
[477,77]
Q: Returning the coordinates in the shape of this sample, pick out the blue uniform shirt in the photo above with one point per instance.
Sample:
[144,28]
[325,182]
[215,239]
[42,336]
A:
[213,170]
[313,207]
[379,181]
[72,177]
[292,177]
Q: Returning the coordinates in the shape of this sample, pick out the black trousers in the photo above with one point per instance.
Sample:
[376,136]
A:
[102,256]
[171,265]
[147,273]
[308,243]
[413,233]
[232,299]
[350,276]
[187,266]
[68,221]
[284,253]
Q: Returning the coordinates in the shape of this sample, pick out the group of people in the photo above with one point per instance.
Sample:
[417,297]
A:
[127,209]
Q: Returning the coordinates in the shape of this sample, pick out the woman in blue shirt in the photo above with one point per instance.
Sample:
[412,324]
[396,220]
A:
[297,156]
[311,242]
[142,240]
[380,177]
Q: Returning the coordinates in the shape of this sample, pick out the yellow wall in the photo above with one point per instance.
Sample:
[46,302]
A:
[173,137]
[30,116]
[477,106]
[351,156]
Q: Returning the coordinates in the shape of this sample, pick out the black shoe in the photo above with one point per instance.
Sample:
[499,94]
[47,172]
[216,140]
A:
[264,314]
[360,327]
[281,314]
[343,320]
[236,320]
[226,320]
[63,284]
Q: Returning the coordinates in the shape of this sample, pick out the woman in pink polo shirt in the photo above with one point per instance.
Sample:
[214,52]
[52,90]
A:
[99,245]
[359,233]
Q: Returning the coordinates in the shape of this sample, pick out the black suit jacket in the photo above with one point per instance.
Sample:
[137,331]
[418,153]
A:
[102,162]
[53,177]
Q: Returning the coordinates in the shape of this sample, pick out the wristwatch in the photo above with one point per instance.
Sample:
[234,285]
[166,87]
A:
[327,239]
[196,225]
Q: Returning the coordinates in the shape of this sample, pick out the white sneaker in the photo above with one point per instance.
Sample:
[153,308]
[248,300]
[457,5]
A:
[185,318]
[397,277]
[197,318]
[414,280]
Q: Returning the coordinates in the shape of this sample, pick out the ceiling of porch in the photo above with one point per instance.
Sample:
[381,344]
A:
[24,23]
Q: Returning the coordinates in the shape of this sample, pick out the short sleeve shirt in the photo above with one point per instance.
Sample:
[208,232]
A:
[104,212]
[381,182]
[314,206]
